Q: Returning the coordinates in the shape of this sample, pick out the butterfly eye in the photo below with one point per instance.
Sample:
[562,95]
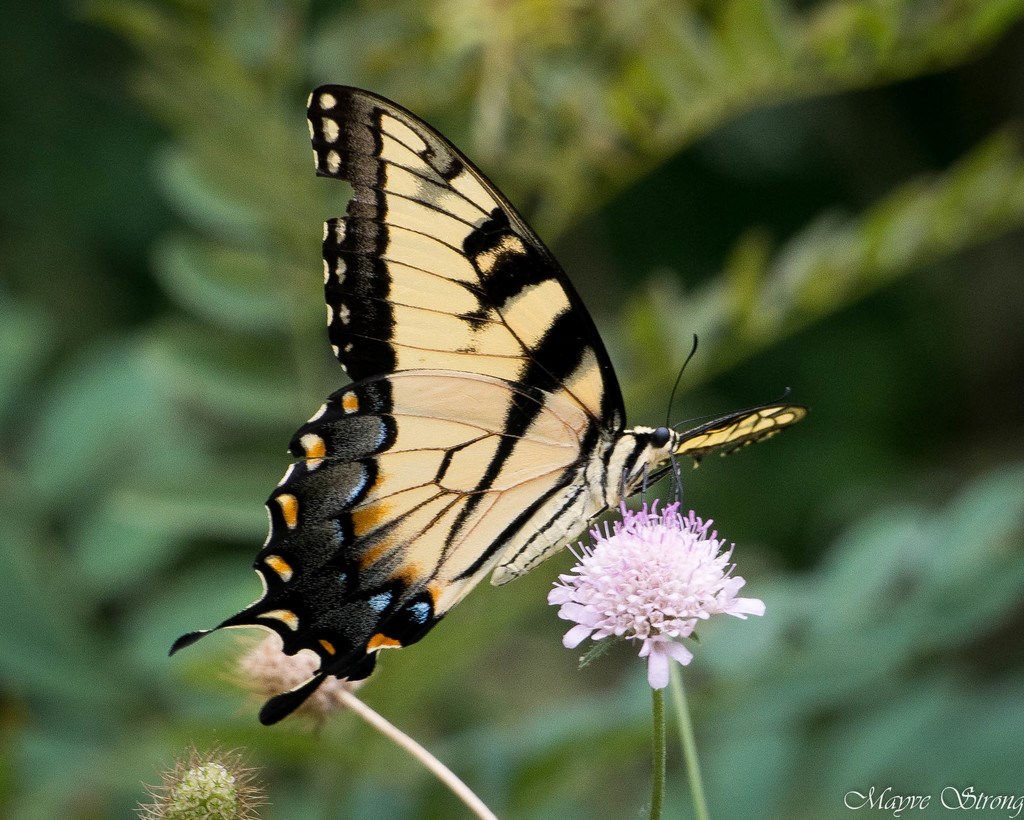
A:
[660,437]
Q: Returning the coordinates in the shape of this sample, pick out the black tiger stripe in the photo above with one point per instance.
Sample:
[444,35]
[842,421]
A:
[498,543]
[509,533]
[368,170]
[587,447]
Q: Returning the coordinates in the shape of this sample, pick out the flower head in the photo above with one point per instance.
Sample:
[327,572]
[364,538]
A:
[212,786]
[267,671]
[652,578]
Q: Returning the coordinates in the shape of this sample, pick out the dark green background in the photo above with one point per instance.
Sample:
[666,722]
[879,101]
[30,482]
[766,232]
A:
[830,193]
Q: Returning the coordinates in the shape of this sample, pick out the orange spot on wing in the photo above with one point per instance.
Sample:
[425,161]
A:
[410,574]
[372,555]
[382,641]
[285,616]
[280,566]
[289,505]
[328,646]
[314,446]
[368,518]
[350,402]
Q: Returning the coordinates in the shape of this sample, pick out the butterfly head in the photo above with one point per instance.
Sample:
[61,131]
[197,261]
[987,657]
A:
[640,457]
[644,454]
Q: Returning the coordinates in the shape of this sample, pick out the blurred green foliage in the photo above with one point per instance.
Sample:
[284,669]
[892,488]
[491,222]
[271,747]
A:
[830,193]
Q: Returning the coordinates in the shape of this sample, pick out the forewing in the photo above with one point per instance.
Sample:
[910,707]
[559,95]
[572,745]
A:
[729,433]
[433,268]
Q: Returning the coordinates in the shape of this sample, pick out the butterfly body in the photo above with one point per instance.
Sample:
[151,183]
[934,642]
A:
[484,426]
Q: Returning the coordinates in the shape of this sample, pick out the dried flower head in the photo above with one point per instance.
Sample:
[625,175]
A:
[266,671]
[211,786]
[651,578]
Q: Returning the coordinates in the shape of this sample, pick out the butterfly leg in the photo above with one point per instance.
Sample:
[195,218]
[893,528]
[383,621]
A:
[677,478]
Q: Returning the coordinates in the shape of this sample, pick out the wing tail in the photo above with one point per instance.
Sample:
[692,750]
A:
[280,706]
[188,639]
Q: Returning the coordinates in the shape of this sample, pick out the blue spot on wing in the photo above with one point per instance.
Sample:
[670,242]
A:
[420,611]
[380,601]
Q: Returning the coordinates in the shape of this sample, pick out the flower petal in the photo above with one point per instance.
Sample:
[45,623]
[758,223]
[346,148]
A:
[748,606]
[678,652]
[657,667]
[651,577]
[559,595]
[580,613]
[575,636]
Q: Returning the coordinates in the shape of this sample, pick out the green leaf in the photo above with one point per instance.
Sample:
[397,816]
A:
[761,299]
[202,204]
[137,529]
[97,420]
[240,380]
[26,337]
[238,289]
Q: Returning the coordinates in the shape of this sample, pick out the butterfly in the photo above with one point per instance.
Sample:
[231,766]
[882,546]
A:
[483,427]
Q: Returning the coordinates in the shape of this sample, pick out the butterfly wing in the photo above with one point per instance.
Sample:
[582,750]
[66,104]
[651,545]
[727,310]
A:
[433,268]
[483,395]
[385,521]
[730,433]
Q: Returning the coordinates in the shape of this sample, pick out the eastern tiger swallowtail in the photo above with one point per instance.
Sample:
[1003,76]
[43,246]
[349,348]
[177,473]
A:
[484,426]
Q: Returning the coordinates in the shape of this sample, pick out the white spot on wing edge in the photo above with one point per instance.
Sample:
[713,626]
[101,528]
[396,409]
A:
[331,129]
[319,413]
[328,101]
[333,161]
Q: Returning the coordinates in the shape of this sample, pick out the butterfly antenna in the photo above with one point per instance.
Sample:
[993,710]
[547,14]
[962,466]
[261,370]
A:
[672,395]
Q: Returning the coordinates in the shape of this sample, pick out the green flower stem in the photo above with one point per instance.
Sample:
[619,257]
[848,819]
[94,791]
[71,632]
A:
[431,763]
[700,806]
[658,750]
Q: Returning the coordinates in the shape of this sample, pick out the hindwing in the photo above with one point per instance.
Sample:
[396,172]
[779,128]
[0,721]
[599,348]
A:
[391,515]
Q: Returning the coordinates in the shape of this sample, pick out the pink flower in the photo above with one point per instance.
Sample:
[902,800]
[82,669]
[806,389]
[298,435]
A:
[651,579]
